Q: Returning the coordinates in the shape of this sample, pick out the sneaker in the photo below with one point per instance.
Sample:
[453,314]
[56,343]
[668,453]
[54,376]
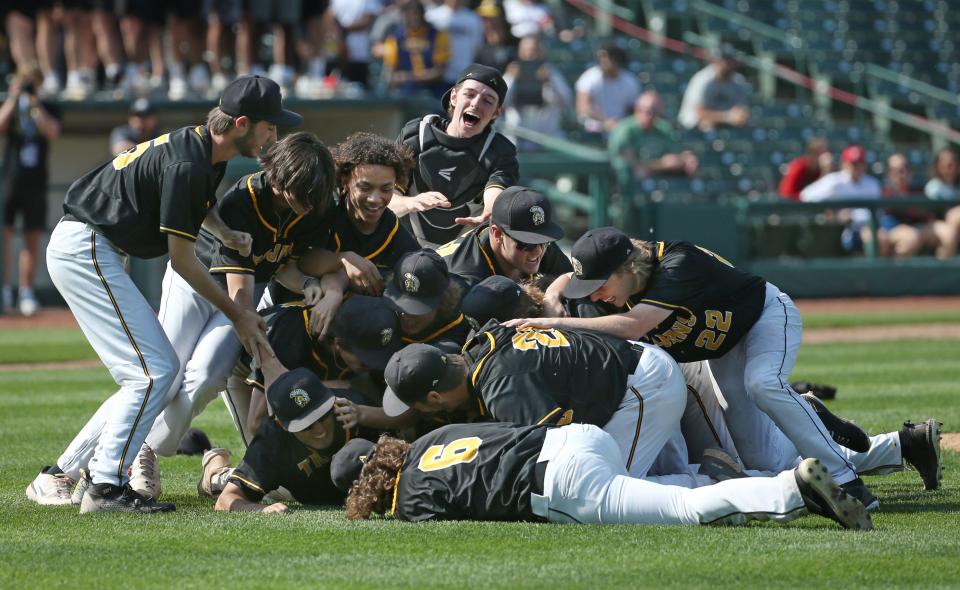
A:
[823,496]
[49,489]
[720,465]
[844,432]
[28,304]
[145,474]
[199,79]
[214,466]
[920,444]
[81,488]
[817,389]
[861,492]
[178,88]
[105,497]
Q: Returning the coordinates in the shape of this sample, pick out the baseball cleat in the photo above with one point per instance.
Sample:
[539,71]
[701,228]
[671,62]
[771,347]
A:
[81,488]
[105,497]
[861,492]
[719,465]
[145,473]
[818,389]
[194,442]
[843,432]
[823,496]
[215,467]
[48,489]
[920,445]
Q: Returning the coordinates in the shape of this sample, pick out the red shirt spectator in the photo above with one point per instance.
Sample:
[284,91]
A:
[805,169]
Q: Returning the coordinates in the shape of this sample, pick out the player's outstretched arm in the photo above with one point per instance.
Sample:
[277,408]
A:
[240,241]
[232,499]
[631,325]
[402,205]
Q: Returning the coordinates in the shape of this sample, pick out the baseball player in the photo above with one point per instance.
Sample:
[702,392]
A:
[460,159]
[699,307]
[147,202]
[292,450]
[570,474]
[518,242]
[497,297]
[428,298]
[635,392]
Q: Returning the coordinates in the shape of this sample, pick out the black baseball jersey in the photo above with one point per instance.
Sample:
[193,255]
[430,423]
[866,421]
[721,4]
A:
[471,257]
[248,207]
[162,186]
[459,168]
[448,331]
[288,329]
[387,244]
[713,303]
[470,471]
[535,376]
[276,458]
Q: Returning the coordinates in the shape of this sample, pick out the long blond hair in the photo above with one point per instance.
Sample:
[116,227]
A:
[641,261]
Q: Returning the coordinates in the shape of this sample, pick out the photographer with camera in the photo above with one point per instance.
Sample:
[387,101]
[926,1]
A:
[29,126]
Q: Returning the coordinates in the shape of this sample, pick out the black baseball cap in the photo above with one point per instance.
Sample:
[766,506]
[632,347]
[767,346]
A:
[297,399]
[525,215]
[595,256]
[483,74]
[142,107]
[419,281]
[493,297]
[347,463]
[258,98]
[414,372]
[370,328]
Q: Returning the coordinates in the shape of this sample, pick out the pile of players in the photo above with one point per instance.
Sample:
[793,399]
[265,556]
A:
[346,302]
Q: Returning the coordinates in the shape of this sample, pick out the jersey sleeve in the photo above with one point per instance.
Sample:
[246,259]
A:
[289,336]
[520,399]
[675,286]
[238,218]
[184,199]
[257,474]
[505,171]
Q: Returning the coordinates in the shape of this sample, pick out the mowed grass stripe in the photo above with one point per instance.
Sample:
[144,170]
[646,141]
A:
[846,319]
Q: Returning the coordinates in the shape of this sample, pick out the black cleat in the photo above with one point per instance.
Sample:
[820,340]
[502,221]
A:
[861,492]
[920,444]
[720,465]
[817,389]
[843,432]
[194,442]
[823,496]
[105,497]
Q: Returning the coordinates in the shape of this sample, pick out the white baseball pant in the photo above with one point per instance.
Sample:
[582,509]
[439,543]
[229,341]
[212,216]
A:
[124,331]
[583,484]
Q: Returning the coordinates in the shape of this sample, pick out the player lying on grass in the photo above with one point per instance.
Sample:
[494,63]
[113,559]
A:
[569,474]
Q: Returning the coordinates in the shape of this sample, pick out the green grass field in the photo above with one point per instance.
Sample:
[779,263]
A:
[916,542]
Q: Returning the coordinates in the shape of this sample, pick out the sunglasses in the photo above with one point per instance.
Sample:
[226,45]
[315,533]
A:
[525,247]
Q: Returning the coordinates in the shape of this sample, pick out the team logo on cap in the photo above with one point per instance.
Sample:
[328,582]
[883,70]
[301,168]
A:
[539,216]
[577,267]
[300,397]
[386,335]
[411,284]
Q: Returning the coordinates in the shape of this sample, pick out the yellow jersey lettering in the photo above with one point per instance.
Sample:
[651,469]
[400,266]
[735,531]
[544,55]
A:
[718,320]
[710,340]
[462,450]
[123,159]
[532,338]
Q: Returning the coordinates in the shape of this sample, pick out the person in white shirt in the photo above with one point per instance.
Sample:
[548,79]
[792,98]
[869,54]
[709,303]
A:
[539,95]
[355,17]
[605,92]
[465,30]
[716,95]
[527,17]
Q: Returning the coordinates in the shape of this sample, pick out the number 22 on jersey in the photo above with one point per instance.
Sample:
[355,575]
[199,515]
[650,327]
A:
[123,159]
[462,450]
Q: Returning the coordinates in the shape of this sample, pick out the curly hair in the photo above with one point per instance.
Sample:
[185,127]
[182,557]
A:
[530,304]
[368,149]
[373,491]
[300,164]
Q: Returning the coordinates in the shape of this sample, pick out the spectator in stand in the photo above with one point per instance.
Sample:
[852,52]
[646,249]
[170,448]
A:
[311,47]
[716,95]
[355,17]
[804,170]
[187,70]
[389,19]
[142,125]
[605,92]
[944,185]
[29,127]
[282,19]
[539,95]
[18,20]
[222,17]
[640,144]
[141,25]
[850,182]
[904,232]
[528,17]
[415,55]
[464,30]
[499,47]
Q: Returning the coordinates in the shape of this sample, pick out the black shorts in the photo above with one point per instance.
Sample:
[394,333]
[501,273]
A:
[312,8]
[27,198]
[25,7]
[150,12]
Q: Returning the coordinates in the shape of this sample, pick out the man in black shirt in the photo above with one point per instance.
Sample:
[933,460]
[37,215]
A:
[146,202]
[498,471]
[461,161]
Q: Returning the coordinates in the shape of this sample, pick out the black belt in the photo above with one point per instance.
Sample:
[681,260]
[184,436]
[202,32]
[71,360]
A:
[635,361]
[539,473]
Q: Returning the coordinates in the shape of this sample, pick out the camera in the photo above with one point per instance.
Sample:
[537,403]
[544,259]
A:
[27,88]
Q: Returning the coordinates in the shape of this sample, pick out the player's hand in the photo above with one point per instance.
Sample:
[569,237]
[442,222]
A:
[322,315]
[521,323]
[278,508]
[252,331]
[240,241]
[312,291]
[473,221]
[429,200]
[363,274]
[346,412]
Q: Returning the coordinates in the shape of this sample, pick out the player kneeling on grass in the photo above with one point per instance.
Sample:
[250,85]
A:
[292,449]
[570,474]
